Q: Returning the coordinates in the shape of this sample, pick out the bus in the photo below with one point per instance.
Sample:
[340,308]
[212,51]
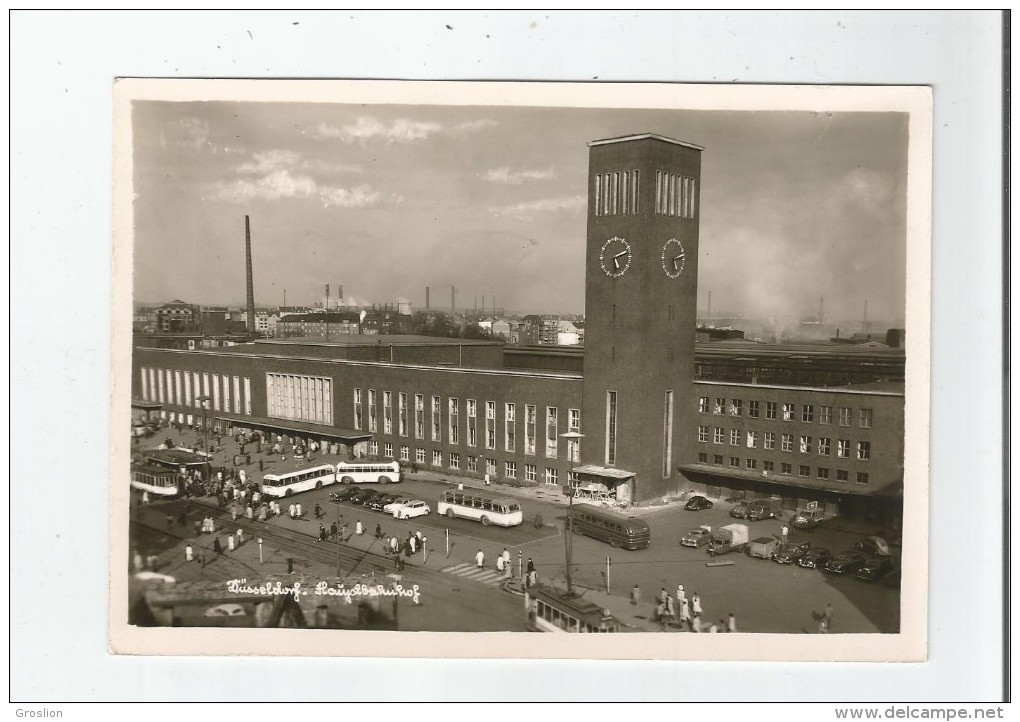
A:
[295,482]
[553,610]
[155,479]
[480,506]
[619,530]
[368,472]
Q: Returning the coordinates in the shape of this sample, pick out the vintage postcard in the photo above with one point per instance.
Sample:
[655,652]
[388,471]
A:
[600,370]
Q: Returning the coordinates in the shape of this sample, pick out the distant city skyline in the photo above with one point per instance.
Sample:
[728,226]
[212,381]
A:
[387,200]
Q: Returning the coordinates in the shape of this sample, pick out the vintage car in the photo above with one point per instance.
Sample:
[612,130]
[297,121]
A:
[814,558]
[696,537]
[875,568]
[697,503]
[739,511]
[808,518]
[408,510]
[846,562]
[790,553]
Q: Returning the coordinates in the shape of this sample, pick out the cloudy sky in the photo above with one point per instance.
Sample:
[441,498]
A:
[389,199]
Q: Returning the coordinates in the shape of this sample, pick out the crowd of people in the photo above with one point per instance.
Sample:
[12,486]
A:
[683,612]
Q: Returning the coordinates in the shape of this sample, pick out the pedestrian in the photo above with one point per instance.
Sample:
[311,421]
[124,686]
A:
[731,623]
[680,594]
[145,497]
[199,527]
[261,465]
[216,546]
[412,543]
[231,543]
[358,528]
[189,553]
[696,624]
[378,531]
[663,595]
[201,558]
[685,613]
[297,508]
[460,486]
[293,510]
[823,626]
[480,559]
[322,532]
[249,513]
[318,511]
[263,512]
[182,519]
[660,614]
[670,609]
[394,545]
[506,557]
[507,570]
[233,512]
[531,566]
[499,564]
[240,536]
[785,532]
[486,479]
[827,616]
[696,605]
[332,530]
[421,544]
[635,595]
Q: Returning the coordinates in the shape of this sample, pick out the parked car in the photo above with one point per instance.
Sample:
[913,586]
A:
[378,503]
[696,537]
[846,562]
[740,510]
[345,493]
[808,518]
[874,569]
[389,507]
[765,509]
[697,503]
[790,553]
[814,558]
[362,495]
[408,510]
[873,546]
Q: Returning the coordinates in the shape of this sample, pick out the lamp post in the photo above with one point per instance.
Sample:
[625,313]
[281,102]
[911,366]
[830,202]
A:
[335,498]
[575,437]
[260,550]
[204,400]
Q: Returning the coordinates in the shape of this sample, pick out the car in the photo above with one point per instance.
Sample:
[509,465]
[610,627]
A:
[814,558]
[390,507]
[808,518]
[740,510]
[697,503]
[696,538]
[873,546]
[345,493]
[790,553]
[846,562]
[362,495]
[874,569]
[409,509]
[378,503]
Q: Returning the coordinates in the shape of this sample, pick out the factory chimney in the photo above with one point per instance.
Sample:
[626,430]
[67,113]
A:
[453,299]
[427,298]
[251,284]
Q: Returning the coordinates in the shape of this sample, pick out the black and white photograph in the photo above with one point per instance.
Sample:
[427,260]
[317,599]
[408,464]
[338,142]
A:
[428,364]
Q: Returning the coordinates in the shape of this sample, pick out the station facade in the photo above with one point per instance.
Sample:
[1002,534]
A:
[635,425]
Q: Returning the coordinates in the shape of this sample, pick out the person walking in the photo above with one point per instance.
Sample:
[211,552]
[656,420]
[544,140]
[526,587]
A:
[785,532]
[332,530]
[696,605]
[506,557]
[297,508]
[240,536]
[663,595]
[731,623]
[685,614]
[394,545]
[189,553]
[233,512]
[480,559]
[231,543]
[680,594]
[216,546]
[670,610]
[249,512]
[696,624]
[412,543]
[499,564]
[660,614]
[635,595]
[827,616]
[317,511]
[358,528]
[293,510]
[322,532]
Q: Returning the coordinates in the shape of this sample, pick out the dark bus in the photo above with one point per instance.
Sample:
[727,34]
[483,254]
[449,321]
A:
[618,530]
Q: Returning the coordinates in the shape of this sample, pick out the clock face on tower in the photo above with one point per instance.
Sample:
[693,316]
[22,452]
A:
[673,258]
[615,257]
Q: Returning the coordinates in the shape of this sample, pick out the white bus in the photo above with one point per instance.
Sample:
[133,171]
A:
[295,482]
[480,506]
[368,472]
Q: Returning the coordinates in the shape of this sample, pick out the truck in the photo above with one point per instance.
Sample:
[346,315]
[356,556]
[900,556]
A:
[765,509]
[730,538]
[764,547]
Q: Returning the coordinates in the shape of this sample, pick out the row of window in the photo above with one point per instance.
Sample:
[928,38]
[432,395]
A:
[674,194]
[303,398]
[785,469]
[435,422]
[789,411]
[551,476]
[616,193]
[824,446]
[186,388]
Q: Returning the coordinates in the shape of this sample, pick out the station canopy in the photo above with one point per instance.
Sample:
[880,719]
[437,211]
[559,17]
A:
[287,426]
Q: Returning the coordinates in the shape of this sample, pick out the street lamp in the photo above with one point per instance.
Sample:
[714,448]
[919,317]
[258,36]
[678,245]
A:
[204,400]
[335,498]
[571,448]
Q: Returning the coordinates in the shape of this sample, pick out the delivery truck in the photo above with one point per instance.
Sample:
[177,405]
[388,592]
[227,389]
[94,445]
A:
[730,538]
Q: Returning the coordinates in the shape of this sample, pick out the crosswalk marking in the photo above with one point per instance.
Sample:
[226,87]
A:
[473,573]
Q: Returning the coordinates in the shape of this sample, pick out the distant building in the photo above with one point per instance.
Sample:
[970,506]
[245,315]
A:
[540,329]
[321,323]
[709,333]
[177,317]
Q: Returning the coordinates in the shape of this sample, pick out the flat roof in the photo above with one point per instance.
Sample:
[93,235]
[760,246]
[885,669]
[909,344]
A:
[346,340]
[642,136]
[875,388]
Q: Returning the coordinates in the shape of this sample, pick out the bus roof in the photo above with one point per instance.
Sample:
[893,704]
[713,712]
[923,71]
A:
[474,491]
[591,509]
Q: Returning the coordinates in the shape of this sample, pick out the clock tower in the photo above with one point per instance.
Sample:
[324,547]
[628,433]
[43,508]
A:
[641,280]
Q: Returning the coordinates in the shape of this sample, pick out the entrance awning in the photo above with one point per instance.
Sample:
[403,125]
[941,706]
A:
[603,473]
[773,479]
[282,426]
[146,405]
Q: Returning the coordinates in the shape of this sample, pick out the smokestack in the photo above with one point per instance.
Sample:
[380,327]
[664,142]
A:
[483,303]
[340,294]
[709,306]
[326,315]
[453,299]
[251,283]
[427,298]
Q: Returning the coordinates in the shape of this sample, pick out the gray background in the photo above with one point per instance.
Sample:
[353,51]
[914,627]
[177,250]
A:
[62,70]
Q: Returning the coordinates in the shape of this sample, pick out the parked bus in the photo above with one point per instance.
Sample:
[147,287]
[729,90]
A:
[552,610]
[295,482]
[155,479]
[481,506]
[618,530]
[368,472]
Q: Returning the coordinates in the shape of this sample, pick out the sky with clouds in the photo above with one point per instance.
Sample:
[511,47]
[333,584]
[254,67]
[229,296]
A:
[388,199]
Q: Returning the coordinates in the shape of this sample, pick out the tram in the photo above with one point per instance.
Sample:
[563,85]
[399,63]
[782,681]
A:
[554,610]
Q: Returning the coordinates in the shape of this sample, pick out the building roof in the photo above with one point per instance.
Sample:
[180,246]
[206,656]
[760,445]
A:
[642,136]
[351,340]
